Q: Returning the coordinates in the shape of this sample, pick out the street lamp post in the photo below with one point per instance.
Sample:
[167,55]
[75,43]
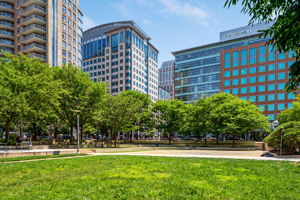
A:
[78,131]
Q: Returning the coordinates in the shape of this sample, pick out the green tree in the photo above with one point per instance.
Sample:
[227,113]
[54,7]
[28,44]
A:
[27,90]
[170,116]
[291,114]
[197,118]
[243,117]
[120,113]
[285,32]
[79,94]
[286,135]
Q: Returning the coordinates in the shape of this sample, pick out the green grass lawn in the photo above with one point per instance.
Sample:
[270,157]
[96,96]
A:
[138,177]
[37,157]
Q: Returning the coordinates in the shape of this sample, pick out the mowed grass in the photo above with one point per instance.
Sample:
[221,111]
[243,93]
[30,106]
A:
[138,177]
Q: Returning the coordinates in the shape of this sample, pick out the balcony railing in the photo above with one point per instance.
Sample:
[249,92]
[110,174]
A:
[34,7]
[34,35]
[34,16]
[37,55]
[33,45]
[5,14]
[5,23]
[31,26]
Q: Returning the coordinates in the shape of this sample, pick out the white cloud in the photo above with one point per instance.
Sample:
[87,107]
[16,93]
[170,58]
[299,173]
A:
[186,10]
[146,21]
[88,23]
[123,8]
[144,3]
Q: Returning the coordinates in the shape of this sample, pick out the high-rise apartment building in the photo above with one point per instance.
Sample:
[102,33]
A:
[166,76]
[120,54]
[48,29]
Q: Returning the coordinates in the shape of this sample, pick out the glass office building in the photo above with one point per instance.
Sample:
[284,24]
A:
[120,54]
[197,70]
[166,76]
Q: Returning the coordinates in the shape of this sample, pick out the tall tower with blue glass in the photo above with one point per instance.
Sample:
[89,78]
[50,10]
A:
[120,54]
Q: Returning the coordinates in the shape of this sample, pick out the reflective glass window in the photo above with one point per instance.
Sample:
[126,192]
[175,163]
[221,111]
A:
[271,87]
[280,106]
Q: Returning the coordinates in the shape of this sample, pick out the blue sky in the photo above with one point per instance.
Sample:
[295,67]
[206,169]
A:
[172,24]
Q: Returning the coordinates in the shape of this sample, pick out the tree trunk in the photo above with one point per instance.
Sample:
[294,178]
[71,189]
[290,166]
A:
[205,140]
[7,127]
[130,137]
[233,142]
[217,137]
[170,138]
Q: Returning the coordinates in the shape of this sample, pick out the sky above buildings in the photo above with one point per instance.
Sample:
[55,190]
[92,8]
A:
[172,24]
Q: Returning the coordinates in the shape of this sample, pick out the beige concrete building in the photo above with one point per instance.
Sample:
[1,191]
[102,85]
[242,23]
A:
[120,54]
[47,29]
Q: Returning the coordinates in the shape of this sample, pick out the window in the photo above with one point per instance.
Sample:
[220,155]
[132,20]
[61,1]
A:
[271,77]
[227,74]
[271,97]
[252,99]
[227,83]
[252,80]
[281,96]
[252,55]
[271,117]
[290,63]
[235,82]
[244,57]
[291,96]
[261,88]
[281,55]
[243,90]
[271,87]
[292,54]
[281,76]
[271,107]
[281,66]
[235,59]
[243,80]
[227,91]
[262,68]
[261,98]
[235,91]
[272,53]
[64,9]
[235,72]
[244,98]
[261,107]
[227,60]
[252,89]
[280,86]
[252,70]
[290,105]
[262,54]
[243,71]
[262,78]
[280,106]
[271,67]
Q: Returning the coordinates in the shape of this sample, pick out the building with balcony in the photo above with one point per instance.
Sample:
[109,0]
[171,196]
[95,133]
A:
[166,77]
[120,54]
[47,29]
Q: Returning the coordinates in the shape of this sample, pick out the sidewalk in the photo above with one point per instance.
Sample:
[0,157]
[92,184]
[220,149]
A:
[251,155]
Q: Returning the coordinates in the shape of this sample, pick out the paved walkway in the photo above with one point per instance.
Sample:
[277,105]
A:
[252,155]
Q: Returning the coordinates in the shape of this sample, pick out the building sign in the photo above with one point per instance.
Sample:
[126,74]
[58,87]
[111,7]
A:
[244,31]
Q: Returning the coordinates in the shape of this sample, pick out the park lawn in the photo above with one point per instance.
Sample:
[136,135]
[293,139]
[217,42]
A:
[23,158]
[140,177]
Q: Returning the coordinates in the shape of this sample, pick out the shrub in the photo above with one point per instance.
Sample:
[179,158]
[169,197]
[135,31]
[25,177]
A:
[290,133]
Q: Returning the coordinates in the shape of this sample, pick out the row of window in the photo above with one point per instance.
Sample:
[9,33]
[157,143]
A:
[253,55]
[252,70]
[272,107]
[254,79]
[271,97]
